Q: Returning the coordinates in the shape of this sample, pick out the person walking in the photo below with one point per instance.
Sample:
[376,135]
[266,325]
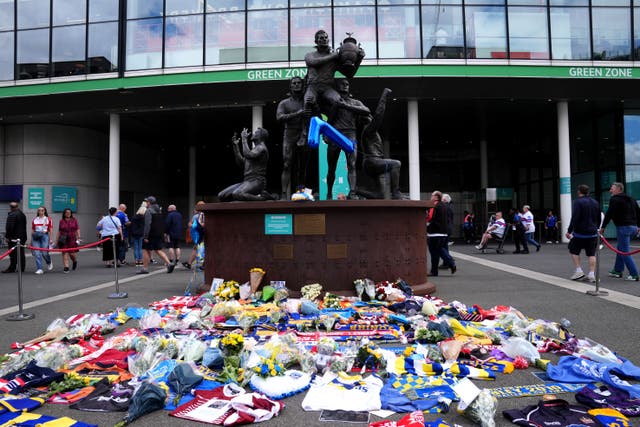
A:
[16,228]
[583,232]
[196,231]
[529,226]
[469,227]
[437,220]
[518,232]
[551,227]
[110,226]
[41,228]
[137,233]
[152,238]
[68,237]
[623,211]
[124,221]
[173,232]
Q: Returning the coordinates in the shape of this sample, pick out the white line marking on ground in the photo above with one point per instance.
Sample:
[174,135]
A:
[614,296]
[37,303]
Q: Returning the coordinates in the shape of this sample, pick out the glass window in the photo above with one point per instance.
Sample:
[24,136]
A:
[225,5]
[304,24]
[361,22]
[399,32]
[439,2]
[225,38]
[392,2]
[501,2]
[307,3]
[33,13]
[266,4]
[183,7]
[103,10]
[486,32]
[183,41]
[144,8]
[267,36]
[611,33]
[570,33]
[6,15]
[351,2]
[6,56]
[527,2]
[636,32]
[144,44]
[632,139]
[69,12]
[609,2]
[528,38]
[67,51]
[442,32]
[32,55]
[102,52]
[569,2]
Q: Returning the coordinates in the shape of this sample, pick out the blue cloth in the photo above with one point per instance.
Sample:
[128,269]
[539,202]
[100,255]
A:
[319,127]
[572,369]
[624,234]
[531,240]
[173,225]
[393,400]
[123,220]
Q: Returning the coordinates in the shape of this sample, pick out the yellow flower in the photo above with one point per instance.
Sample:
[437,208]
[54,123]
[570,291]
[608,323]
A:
[273,373]
[408,351]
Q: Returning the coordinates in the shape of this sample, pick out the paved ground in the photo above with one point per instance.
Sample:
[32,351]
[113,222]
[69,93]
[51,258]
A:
[535,283]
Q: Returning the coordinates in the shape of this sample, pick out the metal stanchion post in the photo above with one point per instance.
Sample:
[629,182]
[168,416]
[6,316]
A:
[20,315]
[117,294]
[597,291]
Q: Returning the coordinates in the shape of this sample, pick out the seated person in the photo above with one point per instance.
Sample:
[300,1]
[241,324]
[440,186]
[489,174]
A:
[494,231]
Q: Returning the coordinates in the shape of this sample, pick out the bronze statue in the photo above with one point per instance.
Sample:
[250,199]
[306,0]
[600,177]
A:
[344,116]
[254,160]
[290,112]
[375,164]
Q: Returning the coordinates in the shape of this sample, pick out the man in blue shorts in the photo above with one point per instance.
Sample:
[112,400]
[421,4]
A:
[153,236]
[583,232]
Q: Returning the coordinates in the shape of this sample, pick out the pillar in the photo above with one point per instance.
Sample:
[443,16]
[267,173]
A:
[564,162]
[192,177]
[114,160]
[256,117]
[414,149]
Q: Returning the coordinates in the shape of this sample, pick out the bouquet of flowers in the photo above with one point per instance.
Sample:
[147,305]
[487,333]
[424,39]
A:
[268,367]
[228,290]
[255,277]
[370,356]
[312,291]
[232,344]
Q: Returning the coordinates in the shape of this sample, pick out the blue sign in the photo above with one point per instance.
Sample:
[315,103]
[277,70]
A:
[565,185]
[64,197]
[278,224]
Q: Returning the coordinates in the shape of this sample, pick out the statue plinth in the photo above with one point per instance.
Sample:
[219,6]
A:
[327,242]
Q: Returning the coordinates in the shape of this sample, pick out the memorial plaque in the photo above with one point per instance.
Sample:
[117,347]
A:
[282,251]
[309,224]
[337,250]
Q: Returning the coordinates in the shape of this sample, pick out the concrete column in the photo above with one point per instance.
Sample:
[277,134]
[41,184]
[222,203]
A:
[256,117]
[484,163]
[414,149]
[192,177]
[114,160]
[564,162]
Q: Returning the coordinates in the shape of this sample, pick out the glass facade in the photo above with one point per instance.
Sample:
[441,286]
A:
[56,38]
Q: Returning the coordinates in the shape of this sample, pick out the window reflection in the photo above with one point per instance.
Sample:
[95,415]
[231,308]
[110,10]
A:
[183,41]
[361,21]
[352,2]
[144,44]
[144,8]
[225,5]
[398,32]
[69,12]
[611,34]
[309,3]
[266,4]
[636,33]
[102,52]
[67,51]
[6,56]
[496,2]
[6,15]
[569,2]
[442,32]
[225,38]
[528,37]
[103,10]
[33,13]
[486,32]
[32,57]
[304,24]
[267,36]
[570,33]
[183,7]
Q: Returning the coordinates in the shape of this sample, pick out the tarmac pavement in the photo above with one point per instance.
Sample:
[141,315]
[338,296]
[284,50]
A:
[537,284]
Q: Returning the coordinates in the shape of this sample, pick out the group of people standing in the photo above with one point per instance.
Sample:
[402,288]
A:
[522,224]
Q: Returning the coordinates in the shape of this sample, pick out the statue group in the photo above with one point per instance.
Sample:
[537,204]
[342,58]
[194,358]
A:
[320,93]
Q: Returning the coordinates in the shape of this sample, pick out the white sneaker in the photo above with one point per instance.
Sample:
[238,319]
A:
[577,275]
[50,266]
[39,271]
[478,247]
[591,279]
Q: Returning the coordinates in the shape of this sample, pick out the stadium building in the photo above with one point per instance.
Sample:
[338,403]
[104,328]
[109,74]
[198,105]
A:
[517,101]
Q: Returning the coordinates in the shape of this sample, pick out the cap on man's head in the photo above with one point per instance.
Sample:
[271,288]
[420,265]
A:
[150,199]
[526,207]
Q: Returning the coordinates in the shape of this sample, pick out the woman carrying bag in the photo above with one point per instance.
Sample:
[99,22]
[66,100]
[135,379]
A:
[109,226]
[41,228]
[68,238]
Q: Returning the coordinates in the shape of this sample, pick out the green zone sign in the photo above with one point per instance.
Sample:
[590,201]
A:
[270,74]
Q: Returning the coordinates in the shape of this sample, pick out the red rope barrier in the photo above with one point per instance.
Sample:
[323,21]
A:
[90,245]
[607,244]
[6,254]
